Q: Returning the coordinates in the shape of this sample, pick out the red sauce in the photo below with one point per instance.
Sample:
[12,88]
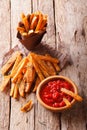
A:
[51,93]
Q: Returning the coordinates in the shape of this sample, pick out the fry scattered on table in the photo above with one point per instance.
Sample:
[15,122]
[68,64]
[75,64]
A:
[27,107]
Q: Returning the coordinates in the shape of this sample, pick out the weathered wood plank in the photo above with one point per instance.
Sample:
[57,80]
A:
[44,119]
[4,47]
[69,29]
[18,119]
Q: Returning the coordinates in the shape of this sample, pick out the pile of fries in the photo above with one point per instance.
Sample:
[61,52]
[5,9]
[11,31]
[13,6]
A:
[26,73]
[32,23]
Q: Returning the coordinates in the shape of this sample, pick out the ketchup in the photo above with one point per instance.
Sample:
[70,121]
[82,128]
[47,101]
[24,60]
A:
[51,93]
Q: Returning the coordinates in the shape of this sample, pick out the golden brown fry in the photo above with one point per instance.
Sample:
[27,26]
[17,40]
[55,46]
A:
[44,72]
[19,71]
[39,22]
[24,34]
[36,84]
[34,23]
[22,16]
[44,22]
[19,58]
[46,58]
[26,23]
[57,68]
[72,94]
[16,69]
[51,68]
[67,102]
[12,89]
[4,83]
[30,81]
[29,75]
[24,70]
[27,107]
[16,92]
[21,88]
[9,63]
[31,17]
[43,67]
[21,29]
[19,78]
[38,71]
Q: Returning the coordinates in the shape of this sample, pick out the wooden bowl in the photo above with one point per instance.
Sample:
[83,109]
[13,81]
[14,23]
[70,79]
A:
[44,82]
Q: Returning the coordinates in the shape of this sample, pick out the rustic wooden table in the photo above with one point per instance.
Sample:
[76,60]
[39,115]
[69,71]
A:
[67,25]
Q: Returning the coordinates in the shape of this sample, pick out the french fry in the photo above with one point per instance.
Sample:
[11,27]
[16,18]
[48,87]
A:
[24,34]
[46,58]
[26,23]
[19,78]
[34,23]
[30,81]
[22,16]
[21,29]
[56,66]
[4,83]
[24,70]
[43,67]
[27,107]
[29,68]
[21,88]
[36,84]
[16,68]
[29,75]
[49,67]
[39,22]
[44,72]
[38,71]
[19,71]
[72,94]
[12,89]
[16,92]
[31,17]
[67,102]
[19,58]
[44,22]
[9,63]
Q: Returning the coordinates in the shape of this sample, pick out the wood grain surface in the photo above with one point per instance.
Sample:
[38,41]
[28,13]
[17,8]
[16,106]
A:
[66,33]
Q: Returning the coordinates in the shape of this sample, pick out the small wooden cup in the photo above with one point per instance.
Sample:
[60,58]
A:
[45,81]
[32,40]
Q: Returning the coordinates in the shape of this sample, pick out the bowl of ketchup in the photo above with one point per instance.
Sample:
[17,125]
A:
[49,93]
